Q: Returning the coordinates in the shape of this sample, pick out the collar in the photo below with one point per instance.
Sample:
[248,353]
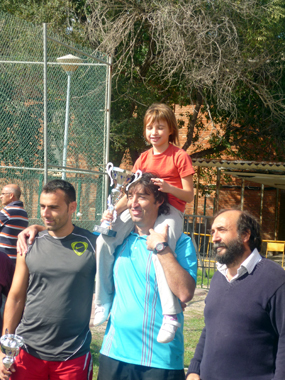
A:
[251,261]
[247,265]
[45,232]
[15,203]
[136,235]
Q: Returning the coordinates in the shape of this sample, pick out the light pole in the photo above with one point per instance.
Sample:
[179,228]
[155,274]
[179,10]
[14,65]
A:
[69,69]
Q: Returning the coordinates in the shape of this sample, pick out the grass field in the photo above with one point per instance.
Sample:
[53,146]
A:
[193,325]
[205,276]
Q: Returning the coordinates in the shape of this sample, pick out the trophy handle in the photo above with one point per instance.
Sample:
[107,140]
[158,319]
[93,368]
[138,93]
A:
[109,168]
[138,175]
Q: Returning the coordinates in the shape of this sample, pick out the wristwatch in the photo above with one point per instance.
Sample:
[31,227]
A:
[160,247]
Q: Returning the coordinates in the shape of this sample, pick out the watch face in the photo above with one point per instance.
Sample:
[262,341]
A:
[159,247]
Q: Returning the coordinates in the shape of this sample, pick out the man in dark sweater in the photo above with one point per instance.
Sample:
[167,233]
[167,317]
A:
[244,334]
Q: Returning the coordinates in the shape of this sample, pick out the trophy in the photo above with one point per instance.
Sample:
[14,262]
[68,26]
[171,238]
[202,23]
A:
[10,346]
[121,179]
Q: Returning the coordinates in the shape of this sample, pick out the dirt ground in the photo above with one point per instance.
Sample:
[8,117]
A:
[197,303]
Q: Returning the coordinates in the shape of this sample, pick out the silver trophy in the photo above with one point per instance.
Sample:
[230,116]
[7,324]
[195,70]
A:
[121,179]
[10,346]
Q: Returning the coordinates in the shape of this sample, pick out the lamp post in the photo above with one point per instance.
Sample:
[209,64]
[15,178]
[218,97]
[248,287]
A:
[69,69]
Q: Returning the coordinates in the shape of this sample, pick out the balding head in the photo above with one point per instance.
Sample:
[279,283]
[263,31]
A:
[14,189]
[10,193]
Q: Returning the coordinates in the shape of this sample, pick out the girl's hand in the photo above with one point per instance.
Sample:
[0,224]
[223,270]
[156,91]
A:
[162,185]
[107,215]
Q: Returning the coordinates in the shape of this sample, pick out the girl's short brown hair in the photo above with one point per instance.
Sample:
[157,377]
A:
[160,111]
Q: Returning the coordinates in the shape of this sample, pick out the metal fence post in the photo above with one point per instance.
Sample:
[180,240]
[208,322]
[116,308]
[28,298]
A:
[45,103]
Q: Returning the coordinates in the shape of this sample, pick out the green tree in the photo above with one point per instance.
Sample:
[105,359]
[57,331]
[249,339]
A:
[225,57]
[64,17]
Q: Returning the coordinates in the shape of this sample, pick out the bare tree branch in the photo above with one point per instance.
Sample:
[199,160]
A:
[197,41]
[220,49]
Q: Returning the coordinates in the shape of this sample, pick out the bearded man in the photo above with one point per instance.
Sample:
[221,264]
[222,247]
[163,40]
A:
[244,334]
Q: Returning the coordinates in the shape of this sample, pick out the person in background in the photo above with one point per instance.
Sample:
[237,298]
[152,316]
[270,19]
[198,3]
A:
[13,219]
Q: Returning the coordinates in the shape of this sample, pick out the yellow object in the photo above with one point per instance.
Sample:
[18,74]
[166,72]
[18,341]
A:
[275,246]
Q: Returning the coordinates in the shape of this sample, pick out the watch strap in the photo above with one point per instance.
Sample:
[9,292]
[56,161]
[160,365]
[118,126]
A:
[156,250]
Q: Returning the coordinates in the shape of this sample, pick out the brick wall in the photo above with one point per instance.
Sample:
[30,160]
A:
[230,189]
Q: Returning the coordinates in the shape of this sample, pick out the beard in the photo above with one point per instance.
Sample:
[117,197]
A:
[232,253]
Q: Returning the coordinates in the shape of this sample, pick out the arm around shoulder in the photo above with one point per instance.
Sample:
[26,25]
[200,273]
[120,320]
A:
[28,233]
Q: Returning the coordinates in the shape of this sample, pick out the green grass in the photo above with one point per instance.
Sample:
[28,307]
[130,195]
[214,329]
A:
[193,326]
[205,278]
[97,339]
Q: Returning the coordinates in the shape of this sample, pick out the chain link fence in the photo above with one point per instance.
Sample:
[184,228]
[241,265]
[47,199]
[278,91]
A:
[43,109]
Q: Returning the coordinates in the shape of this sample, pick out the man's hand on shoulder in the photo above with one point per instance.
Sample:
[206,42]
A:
[154,237]
[28,233]
[193,376]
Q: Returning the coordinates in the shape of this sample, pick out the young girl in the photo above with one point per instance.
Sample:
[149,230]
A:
[174,167]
